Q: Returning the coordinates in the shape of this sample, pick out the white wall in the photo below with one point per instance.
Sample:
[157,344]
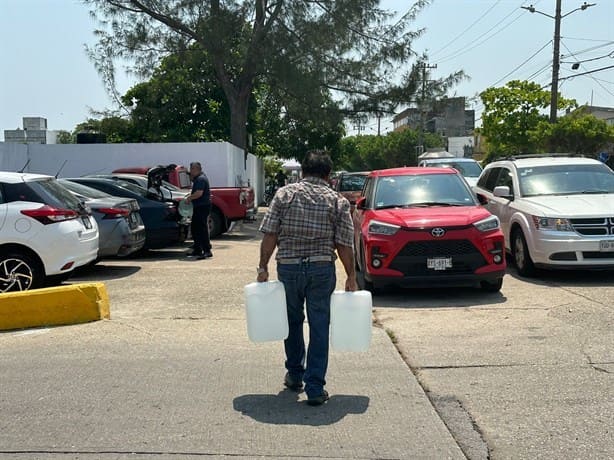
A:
[223,163]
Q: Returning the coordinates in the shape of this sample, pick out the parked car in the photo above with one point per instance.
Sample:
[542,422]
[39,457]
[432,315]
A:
[468,167]
[120,225]
[350,185]
[418,226]
[161,218]
[555,212]
[45,232]
[228,204]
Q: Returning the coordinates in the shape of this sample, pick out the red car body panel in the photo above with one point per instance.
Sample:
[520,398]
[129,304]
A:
[475,255]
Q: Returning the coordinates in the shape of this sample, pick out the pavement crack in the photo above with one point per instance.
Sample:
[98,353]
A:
[469,366]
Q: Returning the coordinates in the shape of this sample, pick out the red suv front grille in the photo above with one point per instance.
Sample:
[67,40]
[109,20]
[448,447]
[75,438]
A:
[412,259]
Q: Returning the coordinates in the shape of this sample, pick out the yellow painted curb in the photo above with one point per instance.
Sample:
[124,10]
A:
[72,304]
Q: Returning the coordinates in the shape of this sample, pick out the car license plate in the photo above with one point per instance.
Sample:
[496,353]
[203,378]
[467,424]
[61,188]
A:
[606,246]
[439,263]
[86,222]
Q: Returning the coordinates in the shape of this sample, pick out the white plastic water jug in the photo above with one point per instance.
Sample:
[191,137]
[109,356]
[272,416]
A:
[267,317]
[350,320]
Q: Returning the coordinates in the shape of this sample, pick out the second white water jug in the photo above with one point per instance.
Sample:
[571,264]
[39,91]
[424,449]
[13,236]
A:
[350,320]
[267,316]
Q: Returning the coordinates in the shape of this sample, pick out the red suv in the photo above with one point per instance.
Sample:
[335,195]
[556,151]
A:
[417,226]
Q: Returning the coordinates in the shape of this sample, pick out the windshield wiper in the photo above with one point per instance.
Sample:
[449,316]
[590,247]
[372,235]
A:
[596,192]
[390,206]
[433,203]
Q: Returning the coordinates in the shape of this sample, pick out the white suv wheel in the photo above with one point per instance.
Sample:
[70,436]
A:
[17,273]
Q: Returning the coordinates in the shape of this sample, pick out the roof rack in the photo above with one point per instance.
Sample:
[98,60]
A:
[541,155]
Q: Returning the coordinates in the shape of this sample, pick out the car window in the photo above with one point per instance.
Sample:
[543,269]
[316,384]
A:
[45,191]
[487,182]
[1,196]
[352,183]
[83,190]
[566,180]
[368,192]
[422,189]
[505,179]
[466,168]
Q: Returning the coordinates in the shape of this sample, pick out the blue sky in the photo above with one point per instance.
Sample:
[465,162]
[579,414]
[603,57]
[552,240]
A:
[45,71]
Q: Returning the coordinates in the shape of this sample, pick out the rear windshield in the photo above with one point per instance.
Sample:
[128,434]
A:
[45,191]
[466,168]
[83,190]
[352,183]
[132,188]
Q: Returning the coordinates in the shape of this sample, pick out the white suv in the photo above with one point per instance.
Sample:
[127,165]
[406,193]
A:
[555,211]
[45,232]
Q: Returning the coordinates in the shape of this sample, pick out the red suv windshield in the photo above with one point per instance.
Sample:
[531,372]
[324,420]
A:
[422,190]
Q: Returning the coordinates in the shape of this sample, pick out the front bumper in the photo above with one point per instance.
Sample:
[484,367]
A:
[565,250]
[436,280]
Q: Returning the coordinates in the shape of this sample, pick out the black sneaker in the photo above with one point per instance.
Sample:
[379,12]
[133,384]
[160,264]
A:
[293,384]
[195,254]
[207,255]
[318,400]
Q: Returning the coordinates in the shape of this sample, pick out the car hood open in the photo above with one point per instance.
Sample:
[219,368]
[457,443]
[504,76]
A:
[572,206]
[435,216]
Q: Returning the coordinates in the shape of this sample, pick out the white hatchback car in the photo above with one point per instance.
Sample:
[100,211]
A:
[45,232]
[468,167]
[555,211]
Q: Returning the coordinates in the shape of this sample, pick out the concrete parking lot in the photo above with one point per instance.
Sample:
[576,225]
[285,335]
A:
[527,373]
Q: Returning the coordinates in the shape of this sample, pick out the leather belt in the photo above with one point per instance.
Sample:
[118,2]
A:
[305,260]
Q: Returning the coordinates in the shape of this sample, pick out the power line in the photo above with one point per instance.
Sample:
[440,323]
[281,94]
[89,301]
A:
[585,39]
[467,29]
[523,63]
[588,74]
[464,49]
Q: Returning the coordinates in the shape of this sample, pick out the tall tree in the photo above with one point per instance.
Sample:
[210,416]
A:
[511,115]
[346,46]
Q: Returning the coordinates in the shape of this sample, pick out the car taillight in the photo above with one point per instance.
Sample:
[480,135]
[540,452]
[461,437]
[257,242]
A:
[49,215]
[113,213]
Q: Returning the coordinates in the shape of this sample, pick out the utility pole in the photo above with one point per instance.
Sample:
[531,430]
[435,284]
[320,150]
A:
[556,54]
[424,66]
[556,63]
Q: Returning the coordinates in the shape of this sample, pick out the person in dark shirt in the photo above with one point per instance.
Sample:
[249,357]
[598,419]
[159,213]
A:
[201,202]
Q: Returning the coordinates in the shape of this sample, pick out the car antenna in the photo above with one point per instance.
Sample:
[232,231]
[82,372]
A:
[24,167]
[60,170]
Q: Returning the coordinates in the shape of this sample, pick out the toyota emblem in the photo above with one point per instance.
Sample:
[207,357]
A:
[438,232]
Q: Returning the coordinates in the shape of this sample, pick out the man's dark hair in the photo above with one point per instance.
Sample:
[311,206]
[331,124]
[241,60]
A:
[317,163]
[196,164]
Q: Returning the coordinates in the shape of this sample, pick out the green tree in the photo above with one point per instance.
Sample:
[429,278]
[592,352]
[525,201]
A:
[65,137]
[346,46]
[511,115]
[116,129]
[578,132]
[396,149]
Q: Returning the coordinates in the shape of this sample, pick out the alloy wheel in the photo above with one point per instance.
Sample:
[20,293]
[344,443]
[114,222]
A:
[15,275]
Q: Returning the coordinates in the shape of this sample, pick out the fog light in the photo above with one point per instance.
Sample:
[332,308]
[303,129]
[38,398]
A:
[498,259]
[376,263]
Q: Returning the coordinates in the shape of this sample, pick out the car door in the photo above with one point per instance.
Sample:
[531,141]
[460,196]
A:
[3,208]
[484,188]
[502,206]
[358,216]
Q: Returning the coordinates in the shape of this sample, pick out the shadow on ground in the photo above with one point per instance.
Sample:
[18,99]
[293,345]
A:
[102,272]
[286,409]
[441,297]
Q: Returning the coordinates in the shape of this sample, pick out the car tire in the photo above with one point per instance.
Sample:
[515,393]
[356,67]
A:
[20,272]
[216,224]
[520,253]
[492,286]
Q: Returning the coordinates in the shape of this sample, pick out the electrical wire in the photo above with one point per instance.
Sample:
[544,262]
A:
[466,30]
[480,40]
[522,64]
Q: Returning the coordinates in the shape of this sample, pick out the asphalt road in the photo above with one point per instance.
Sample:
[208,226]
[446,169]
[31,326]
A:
[527,373]
[531,369]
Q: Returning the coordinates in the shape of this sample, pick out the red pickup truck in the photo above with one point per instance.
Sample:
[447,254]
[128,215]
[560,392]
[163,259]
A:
[228,204]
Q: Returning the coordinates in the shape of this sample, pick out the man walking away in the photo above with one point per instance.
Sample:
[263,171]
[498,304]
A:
[307,222]
[201,202]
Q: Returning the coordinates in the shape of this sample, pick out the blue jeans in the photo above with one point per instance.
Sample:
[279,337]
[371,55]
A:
[311,284]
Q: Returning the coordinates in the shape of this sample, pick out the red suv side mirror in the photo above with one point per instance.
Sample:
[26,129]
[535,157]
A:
[360,202]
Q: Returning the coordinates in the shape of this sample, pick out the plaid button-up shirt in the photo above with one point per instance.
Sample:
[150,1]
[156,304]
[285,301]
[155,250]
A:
[310,219]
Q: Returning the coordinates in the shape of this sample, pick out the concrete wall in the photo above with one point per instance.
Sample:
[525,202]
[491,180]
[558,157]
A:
[223,162]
